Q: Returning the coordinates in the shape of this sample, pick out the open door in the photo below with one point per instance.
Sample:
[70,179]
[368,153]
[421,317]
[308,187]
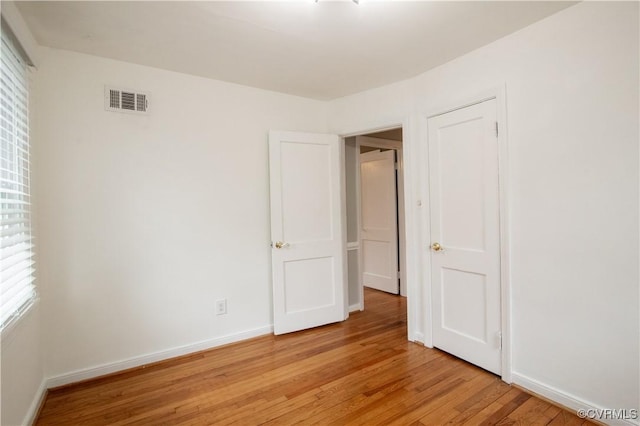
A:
[379,222]
[307,230]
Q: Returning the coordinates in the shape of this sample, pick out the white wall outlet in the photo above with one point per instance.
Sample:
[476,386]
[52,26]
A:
[221,307]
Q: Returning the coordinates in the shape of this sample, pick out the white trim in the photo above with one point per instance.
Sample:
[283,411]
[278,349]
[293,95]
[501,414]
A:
[353,246]
[38,400]
[374,128]
[343,226]
[422,207]
[358,195]
[410,146]
[400,204]
[499,94]
[413,279]
[378,143]
[402,240]
[496,92]
[505,231]
[418,337]
[565,399]
[372,142]
[356,307]
[104,369]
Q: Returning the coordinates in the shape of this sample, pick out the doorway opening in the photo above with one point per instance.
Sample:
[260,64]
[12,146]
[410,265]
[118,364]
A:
[376,246]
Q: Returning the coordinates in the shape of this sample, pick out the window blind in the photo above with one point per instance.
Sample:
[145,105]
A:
[17,290]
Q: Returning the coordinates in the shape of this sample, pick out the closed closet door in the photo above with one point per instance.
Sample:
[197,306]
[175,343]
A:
[465,234]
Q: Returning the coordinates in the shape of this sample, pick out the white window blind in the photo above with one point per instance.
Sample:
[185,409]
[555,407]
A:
[17,290]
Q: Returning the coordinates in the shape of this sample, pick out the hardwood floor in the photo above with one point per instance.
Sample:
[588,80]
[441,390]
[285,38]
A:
[361,371]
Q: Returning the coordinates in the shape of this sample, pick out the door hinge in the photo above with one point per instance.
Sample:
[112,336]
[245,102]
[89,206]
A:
[499,339]
[398,276]
[496,129]
[395,165]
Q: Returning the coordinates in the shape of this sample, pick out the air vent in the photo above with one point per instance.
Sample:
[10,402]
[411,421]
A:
[124,100]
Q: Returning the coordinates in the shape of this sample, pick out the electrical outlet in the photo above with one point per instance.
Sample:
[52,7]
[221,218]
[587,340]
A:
[221,307]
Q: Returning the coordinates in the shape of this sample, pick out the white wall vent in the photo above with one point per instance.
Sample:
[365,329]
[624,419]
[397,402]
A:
[123,100]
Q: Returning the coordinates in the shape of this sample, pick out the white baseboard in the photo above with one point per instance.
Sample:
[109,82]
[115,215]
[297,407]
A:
[32,412]
[356,307]
[567,400]
[417,337]
[101,370]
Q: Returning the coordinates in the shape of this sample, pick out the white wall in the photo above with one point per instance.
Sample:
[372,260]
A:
[572,104]
[22,371]
[144,221]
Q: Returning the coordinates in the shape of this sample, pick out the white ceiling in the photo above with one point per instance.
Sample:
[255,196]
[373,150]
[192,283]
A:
[320,50]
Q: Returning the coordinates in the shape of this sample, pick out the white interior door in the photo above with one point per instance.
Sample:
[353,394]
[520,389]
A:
[379,225]
[465,233]
[307,230]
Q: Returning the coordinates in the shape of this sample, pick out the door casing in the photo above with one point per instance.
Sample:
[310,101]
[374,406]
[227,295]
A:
[410,276]
[416,203]
[402,244]
[499,94]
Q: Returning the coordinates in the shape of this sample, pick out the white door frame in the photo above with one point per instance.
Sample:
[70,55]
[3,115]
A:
[413,280]
[416,203]
[499,94]
[397,147]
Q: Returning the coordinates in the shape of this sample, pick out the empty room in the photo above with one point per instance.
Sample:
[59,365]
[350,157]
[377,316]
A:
[320,212]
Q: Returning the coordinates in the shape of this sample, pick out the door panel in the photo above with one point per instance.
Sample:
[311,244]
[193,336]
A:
[307,231]
[304,282]
[464,219]
[463,303]
[306,203]
[461,194]
[379,233]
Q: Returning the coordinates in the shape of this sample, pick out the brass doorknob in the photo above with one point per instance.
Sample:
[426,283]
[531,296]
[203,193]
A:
[280,244]
[436,247]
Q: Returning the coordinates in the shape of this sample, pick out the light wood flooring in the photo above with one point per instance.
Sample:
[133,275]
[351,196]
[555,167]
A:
[361,371]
